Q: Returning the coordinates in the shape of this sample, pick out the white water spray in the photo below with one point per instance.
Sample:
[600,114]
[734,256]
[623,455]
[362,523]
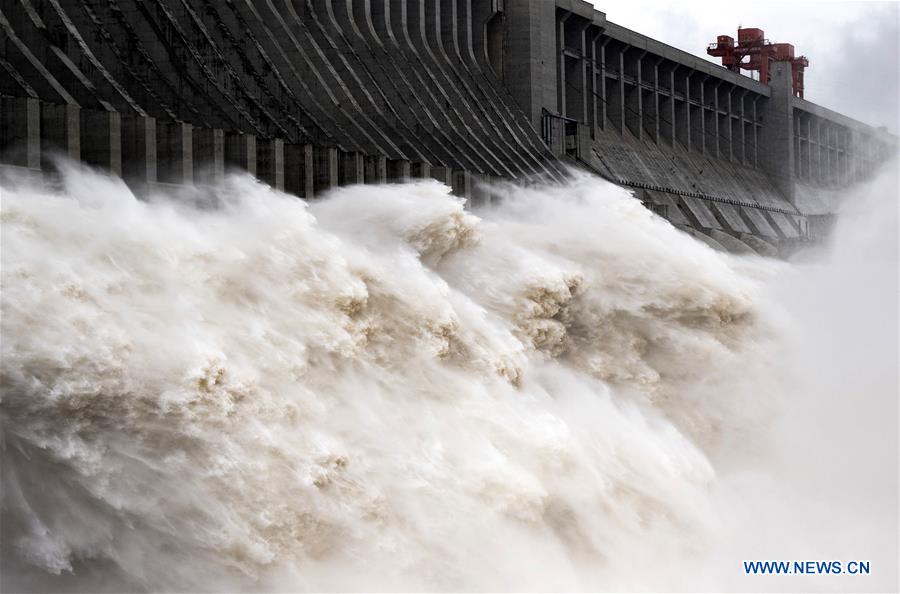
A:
[383,391]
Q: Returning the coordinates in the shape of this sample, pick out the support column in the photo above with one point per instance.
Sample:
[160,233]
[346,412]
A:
[776,139]
[352,170]
[617,100]
[175,158]
[667,107]
[603,94]
[844,157]
[102,135]
[652,107]
[209,155]
[139,149]
[240,151]
[442,174]
[715,134]
[701,112]
[420,170]
[819,152]
[375,169]
[729,129]
[594,117]
[462,184]
[742,130]
[480,190]
[561,70]
[809,149]
[683,129]
[325,168]
[397,170]
[61,130]
[270,162]
[633,106]
[20,132]
[756,127]
[298,170]
[672,104]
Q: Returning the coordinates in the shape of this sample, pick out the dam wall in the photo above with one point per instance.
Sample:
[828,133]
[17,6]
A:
[305,94]
[311,94]
[704,146]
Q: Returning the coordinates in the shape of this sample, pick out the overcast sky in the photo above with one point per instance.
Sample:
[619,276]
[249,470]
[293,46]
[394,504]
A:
[853,47]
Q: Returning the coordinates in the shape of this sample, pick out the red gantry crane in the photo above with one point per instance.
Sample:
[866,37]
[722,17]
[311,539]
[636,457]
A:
[754,52]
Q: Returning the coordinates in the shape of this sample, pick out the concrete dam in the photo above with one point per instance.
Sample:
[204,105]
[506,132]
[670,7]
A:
[441,296]
[311,94]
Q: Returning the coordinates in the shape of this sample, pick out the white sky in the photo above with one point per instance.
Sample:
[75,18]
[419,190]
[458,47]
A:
[853,47]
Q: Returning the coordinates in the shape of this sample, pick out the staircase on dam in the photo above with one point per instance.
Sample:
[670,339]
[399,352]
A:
[311,94]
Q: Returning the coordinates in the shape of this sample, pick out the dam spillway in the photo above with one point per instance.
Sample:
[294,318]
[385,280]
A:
[311,94]
[255,365]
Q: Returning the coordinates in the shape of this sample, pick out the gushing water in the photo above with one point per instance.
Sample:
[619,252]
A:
[383,391]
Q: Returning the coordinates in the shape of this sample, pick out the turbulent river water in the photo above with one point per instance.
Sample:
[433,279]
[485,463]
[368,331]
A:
[381,390]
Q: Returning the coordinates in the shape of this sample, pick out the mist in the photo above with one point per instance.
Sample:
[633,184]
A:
[383,390]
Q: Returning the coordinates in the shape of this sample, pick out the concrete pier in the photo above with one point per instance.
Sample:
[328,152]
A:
[325,169]
[375,169]
[480,194]
[462,184]
[20,132]
[209,155]
[139,150]
[442,174]
[298,170]
[351,168]
[270,162]
[61,130]
[240,152]
[174,153]
[398,170]
[419,170]
[101,134]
